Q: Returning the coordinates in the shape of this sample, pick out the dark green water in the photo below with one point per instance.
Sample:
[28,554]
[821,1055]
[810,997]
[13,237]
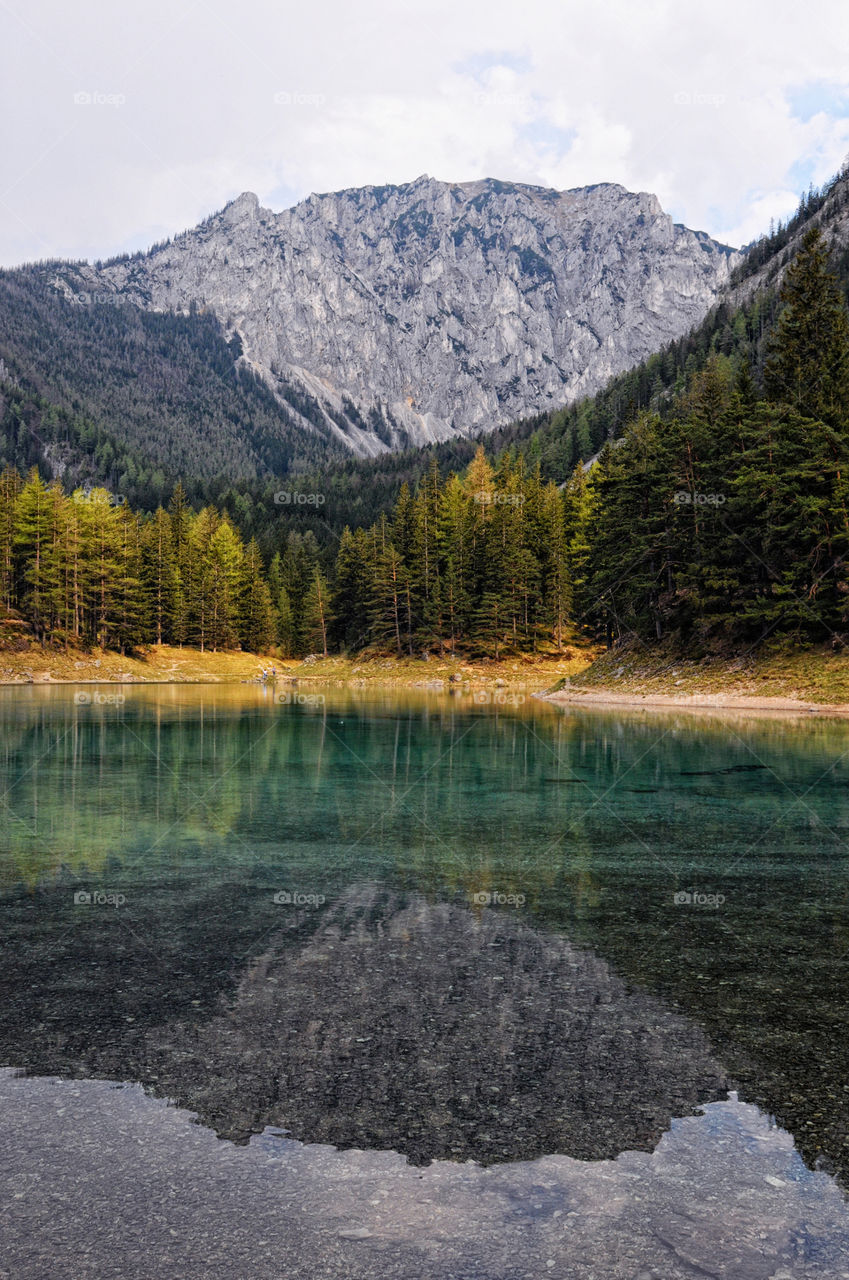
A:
[393,1007]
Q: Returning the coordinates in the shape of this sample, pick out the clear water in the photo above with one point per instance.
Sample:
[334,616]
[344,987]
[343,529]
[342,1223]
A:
[411,924]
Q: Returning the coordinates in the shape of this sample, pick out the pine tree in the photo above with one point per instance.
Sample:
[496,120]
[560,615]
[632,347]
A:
[808,364]
[425,585]
[299,560]
[181,517]
[281,604]
[159,575]
[554,572]
[32,538]
[226,584]
[199,576]
[580,507]
[317,616]
[353,576]
[257,622]
[10,488]
[131,622]
[285,621]
[454,550]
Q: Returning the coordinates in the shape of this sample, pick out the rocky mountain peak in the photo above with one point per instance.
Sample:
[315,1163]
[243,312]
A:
[403,314]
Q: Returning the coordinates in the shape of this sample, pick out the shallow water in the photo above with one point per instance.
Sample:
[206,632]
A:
[431,932]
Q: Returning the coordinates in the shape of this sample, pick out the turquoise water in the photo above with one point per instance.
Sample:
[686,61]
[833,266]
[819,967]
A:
[413,924]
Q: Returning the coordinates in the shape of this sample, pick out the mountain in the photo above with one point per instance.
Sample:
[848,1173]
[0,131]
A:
[736,327]
[385,317]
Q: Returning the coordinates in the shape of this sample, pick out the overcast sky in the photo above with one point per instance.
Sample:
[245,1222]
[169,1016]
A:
[124,123]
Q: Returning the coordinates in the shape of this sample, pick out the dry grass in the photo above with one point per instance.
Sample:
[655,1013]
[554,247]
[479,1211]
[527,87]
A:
[23,662]
[35,665]
[778,670]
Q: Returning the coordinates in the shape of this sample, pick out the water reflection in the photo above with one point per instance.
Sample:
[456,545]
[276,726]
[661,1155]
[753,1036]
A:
[199,804]
[439,1033]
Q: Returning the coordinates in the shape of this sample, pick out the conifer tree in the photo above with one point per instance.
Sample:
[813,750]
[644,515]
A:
[101,553]
[257,623]
[425,583]
[352,590]
[226,584]
[159,575]
[200,577]
[10,488]
[284,623]
[454,545]
[317,616]
[808,365]
[32,538]
[130,623]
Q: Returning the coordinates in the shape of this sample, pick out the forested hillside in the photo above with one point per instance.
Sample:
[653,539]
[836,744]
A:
[474,565]
[737,328]
[730,520]
[163,389]
[716,513]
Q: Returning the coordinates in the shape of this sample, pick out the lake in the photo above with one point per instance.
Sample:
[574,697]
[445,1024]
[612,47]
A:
[313,981]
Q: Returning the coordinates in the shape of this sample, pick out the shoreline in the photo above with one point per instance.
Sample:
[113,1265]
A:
[697,702]
[799,684]
[172,666]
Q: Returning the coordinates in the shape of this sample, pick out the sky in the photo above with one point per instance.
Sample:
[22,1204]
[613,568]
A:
[126,123]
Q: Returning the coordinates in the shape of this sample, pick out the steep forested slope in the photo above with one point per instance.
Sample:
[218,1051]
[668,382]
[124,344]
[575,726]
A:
[168,389]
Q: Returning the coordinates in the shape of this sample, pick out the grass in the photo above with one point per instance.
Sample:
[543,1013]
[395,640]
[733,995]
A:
[778,669]
[22,661]
[532,671]
[35,665]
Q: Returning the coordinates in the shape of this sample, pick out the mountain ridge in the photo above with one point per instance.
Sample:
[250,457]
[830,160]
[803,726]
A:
[410,314]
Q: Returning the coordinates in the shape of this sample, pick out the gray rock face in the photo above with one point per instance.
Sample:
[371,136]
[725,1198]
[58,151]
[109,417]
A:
[417,312]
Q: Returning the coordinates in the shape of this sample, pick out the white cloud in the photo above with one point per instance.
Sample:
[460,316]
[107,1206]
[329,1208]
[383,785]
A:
[725,113]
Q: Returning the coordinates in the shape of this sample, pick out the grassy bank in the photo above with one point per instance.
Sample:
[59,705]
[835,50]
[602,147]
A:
[780,671]
[31,664]
[775,671]
[36,665]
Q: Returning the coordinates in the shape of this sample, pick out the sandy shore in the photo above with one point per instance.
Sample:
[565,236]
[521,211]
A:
[696,702]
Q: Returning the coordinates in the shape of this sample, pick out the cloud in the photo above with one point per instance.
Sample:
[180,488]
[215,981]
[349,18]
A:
[134,121]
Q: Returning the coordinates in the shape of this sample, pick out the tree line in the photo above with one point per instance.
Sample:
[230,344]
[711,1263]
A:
[475,562]
[85,570]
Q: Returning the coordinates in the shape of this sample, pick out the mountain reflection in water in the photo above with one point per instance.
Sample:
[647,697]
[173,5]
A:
[440,1033]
